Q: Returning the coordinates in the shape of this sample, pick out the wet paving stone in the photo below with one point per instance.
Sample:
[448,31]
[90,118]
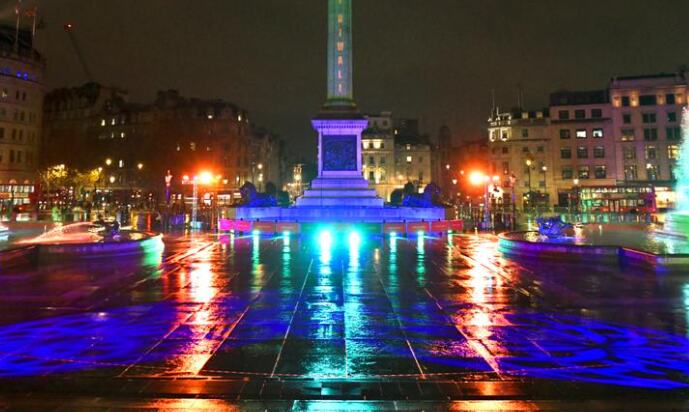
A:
[243,318]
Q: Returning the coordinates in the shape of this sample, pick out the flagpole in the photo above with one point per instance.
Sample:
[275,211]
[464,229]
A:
[16,30]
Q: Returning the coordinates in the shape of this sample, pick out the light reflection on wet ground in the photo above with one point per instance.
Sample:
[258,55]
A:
[348,310]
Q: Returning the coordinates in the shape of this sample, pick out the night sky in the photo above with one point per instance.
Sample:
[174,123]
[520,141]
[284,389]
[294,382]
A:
[432,59]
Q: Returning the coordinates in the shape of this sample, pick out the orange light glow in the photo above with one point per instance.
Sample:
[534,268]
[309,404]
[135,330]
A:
[205,178]
[476,178]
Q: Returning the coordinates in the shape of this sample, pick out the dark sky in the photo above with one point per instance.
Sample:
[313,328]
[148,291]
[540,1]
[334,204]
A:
[432,59]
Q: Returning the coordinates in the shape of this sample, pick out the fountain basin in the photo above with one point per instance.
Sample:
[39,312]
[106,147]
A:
[676,224]
[611,244]
[127,244]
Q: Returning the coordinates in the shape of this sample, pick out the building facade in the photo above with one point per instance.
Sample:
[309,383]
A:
[378,154]
[521,148]
[394,154]
[646,115]
[21,112]
[136,145]
[605,150]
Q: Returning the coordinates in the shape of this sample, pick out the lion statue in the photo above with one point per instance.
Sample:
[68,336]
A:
[429,197]
[252,198]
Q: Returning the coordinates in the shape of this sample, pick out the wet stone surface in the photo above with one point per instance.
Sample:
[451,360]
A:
[287,317]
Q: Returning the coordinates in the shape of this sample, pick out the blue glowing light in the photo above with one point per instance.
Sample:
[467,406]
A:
[325,238]
[354,239]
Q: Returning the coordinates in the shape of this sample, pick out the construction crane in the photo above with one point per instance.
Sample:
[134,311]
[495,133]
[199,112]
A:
[69,28]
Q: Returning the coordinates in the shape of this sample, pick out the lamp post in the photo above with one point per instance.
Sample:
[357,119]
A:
[529,163]
[544,169]
[513,184]
[576,196]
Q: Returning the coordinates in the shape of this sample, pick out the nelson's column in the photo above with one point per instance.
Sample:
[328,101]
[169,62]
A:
[340,182]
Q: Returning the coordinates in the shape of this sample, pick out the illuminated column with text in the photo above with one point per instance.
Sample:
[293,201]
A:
[339,124]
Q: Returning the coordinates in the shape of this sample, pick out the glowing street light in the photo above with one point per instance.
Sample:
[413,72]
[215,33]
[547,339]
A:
[108,161]
[205,178]
[112,179]
[477,178]
[140,166]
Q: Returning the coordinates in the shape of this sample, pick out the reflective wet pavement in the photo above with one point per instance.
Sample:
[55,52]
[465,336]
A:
[256,319]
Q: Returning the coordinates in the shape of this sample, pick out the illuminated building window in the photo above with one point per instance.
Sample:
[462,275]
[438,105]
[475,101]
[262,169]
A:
[365,143]
[102,122]
[409,159]
[581,133]
[4,93]
[340,18]
[627,135]
[652,172]
[600,172]
[112,122]
[629,152]
[584,172]
[651,152]
[339,74]
[673,152]
[192,146]
[376,145]
[339,87]
[597,133]
[122,135]
[630,173]
[340,46]
[340,61]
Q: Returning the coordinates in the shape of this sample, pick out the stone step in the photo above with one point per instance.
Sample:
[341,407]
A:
[349,202]
[340,193]
[339,183]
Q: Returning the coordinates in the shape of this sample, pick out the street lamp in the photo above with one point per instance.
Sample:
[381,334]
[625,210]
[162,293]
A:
[108,161]
[140,166]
